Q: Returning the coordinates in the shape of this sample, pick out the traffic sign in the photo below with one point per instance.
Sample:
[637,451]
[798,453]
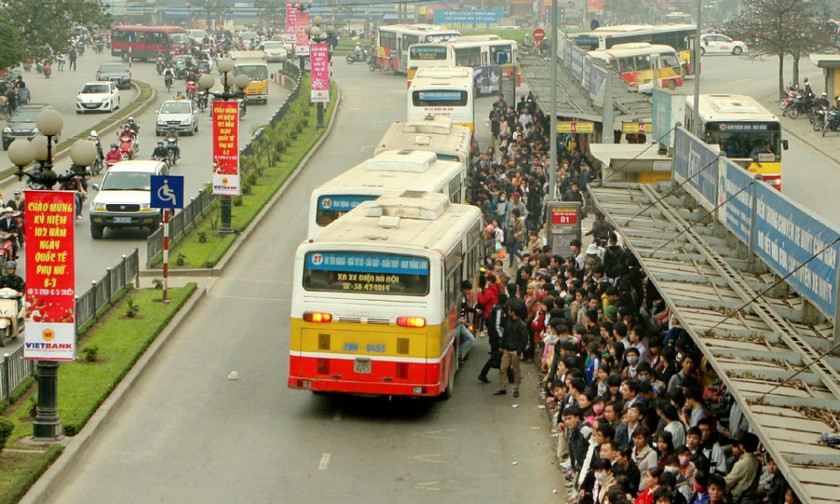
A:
[575,127]
[539,34]
[167,191]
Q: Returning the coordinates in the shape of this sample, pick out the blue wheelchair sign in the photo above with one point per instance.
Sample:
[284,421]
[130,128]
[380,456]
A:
[167,191]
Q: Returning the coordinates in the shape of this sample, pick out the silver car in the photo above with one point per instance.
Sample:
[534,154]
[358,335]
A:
[179,115]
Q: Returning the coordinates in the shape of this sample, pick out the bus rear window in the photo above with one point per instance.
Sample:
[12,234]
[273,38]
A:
[366,273]
[431,53]
[439,98]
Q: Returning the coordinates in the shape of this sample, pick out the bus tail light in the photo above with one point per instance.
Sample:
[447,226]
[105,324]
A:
[317,317]
[774,180]
[411,322]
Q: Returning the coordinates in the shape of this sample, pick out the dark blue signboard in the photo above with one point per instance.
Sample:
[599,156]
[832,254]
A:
[167,191]
[361,262]
[696,161]
[787,236]
[738,193]
[342,203]
[468,18]
[440,95]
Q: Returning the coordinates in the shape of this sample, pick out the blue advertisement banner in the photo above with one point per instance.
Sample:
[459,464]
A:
[439,95]
[786,237]
[577,62]
[458,18]
[661,114]
[738,210]
[360,262]
[342,203]
[695,160]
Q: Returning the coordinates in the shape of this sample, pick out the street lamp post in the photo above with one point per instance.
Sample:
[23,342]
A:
[232,89]
[47,424]
[319,35]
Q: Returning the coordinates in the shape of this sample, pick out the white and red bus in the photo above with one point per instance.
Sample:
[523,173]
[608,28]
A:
[393,41]
[145,42]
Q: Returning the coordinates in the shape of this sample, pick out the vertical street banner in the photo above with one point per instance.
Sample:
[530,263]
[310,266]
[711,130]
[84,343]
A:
[301,38]
[291,23]
[319,60]
[50,276]
[226,148]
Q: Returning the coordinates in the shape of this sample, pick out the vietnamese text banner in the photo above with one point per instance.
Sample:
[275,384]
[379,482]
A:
[319,60]
[787,236]
[226,148]
[50,276]
[301,38]
[291,24]
[695,161]
[368,263]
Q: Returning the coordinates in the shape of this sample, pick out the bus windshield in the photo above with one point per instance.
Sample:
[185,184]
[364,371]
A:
[366,272]
[759,141]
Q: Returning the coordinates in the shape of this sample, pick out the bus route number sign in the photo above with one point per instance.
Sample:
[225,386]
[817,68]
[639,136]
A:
[563,216]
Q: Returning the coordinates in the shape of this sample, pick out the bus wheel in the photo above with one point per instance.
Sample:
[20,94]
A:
[672,85]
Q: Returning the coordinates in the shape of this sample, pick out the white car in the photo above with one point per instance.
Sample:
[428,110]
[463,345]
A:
[124,198]
[715,43]
[179,115]
[274,50]
[99,96]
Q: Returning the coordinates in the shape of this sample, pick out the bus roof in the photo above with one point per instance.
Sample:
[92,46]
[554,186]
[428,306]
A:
[631,29]
[381,175]
[730,107]
[631,49]
[437,135]
[143,28]
[412,220]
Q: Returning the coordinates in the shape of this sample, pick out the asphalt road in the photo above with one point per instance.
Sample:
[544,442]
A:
[189,434]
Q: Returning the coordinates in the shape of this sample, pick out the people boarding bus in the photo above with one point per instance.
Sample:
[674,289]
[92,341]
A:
[432,134]
[488,55]
[446,92]
[642,65]
[376,298]
[746,132]
[393,41]
[389,172]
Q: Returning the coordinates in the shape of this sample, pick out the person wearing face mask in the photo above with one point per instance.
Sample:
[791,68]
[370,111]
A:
[668,480]
[685,476]
[604,479]
[700,495]
[631,356]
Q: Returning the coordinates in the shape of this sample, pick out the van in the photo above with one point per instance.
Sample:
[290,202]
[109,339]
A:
[124,198]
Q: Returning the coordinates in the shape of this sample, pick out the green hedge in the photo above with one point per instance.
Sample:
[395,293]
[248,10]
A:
[21,470]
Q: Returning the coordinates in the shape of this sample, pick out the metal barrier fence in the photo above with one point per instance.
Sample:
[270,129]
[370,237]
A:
[13,369]
[179,223]
[196,209]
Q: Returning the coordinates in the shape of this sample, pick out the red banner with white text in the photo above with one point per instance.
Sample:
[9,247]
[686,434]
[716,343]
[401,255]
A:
[291,24]
[50,276]
[226,148]
[319,60]
[302,39]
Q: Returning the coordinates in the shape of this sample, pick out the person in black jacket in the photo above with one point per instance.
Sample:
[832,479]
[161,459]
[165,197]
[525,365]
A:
[495,328]
[513,342]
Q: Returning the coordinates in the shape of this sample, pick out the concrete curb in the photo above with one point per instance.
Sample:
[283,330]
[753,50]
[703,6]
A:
[78,445]
[244,235]
[107,129]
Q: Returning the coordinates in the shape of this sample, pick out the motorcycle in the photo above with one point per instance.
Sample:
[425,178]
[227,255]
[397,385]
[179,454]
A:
[99,47]
[7,248]
[171,150]
[801,104]
[243,108]
[373,63]
[790,94]
[167,80]
[201,100]
[160,65]
[832,122]
[11,315]
[358,56]
[19,221]
[75,184]
[127,146]
[192,88]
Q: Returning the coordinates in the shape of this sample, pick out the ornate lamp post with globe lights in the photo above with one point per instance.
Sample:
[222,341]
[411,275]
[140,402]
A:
[47,424]
[319,62]
[232,89]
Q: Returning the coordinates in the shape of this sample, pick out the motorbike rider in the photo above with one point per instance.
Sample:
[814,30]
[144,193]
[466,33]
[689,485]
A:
[8,224]
[160,151]
[16,203]
[12,281]
[168,72]
[171,133]
[94,137]
[114,155]
[127,132]
[133,126]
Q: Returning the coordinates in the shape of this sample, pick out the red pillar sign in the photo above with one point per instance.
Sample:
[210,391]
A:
[226,148]
[50,276]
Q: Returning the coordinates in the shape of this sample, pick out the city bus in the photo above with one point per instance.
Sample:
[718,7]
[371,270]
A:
[254,64]
[642,65]
[677,35]
[447,92]
[433,134]
[487,55]
[393,41]
[146,42]
[375,298]
[740,126]
[389,172]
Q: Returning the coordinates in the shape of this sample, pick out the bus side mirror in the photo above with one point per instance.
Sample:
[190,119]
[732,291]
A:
[785,144]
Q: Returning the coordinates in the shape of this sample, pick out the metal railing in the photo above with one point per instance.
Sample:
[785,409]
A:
[179,223]
[14,370]
[196,209]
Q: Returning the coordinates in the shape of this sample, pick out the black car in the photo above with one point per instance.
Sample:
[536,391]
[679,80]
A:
[22,123]
[115,72]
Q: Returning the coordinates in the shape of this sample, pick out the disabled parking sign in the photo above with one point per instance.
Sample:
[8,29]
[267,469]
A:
[167,191]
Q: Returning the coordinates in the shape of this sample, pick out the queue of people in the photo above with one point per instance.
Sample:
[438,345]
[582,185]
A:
[640,416]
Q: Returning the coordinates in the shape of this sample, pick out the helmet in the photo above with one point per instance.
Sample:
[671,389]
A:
[160,142]
[11,265]
[125,127]
[93,133]
[114,146]
[131,119]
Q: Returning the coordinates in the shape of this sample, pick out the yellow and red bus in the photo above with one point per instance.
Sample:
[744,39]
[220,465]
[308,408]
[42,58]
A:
[743,129]
[393,41]
[645,66]
[375,297]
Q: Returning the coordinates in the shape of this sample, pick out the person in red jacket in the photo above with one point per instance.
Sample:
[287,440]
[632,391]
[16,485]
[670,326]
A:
[489,295]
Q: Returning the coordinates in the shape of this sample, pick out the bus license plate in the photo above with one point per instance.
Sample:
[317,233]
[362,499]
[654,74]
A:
[361,366]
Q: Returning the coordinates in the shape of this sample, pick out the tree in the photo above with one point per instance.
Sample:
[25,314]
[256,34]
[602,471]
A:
[270,11]
[14,48]
[782,27]
[44,26]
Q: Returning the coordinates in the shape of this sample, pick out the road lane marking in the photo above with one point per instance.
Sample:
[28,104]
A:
[430,457]
[437,434]
[325,462]
[427,485]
